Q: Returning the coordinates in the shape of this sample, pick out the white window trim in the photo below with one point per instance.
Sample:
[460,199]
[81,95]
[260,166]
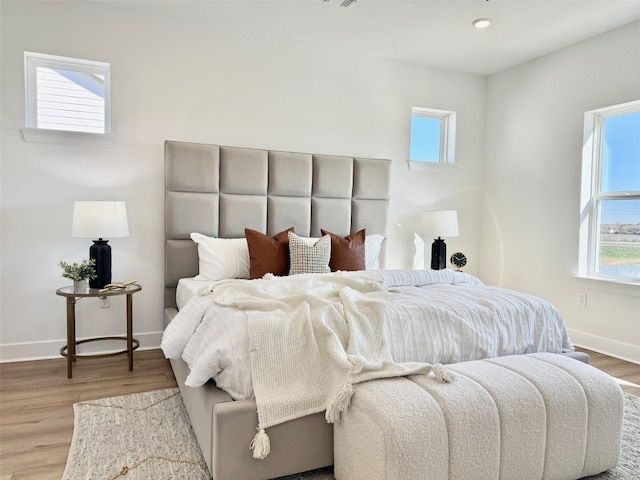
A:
[31,132]
[62,137]
[447,138]
[590,188]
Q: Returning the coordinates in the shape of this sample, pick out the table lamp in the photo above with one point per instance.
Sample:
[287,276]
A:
[100,220]
[439,223]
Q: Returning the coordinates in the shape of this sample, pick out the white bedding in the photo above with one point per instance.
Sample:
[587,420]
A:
[434,317]
[187,288]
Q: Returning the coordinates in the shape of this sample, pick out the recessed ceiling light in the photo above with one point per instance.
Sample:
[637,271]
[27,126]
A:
[481,23]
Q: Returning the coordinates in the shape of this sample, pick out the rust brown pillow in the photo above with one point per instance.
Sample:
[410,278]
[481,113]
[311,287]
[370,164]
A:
[268,254]
[347,253]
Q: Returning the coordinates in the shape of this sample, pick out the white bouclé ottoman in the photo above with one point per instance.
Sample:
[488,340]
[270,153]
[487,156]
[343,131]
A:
[537,416]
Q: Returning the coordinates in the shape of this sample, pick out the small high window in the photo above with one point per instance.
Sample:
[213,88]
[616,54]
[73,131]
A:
[66,94]
[432,137]
[610,228]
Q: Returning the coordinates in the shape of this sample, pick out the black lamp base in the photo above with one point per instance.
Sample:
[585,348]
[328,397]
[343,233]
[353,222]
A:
[438,254]
[100,251]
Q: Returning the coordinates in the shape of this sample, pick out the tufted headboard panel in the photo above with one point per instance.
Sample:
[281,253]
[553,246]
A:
[219,191]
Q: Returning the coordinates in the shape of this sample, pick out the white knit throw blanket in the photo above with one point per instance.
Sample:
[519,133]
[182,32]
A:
[311,338]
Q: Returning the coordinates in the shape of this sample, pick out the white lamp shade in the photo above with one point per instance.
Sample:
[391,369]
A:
[99,220]
[440,223]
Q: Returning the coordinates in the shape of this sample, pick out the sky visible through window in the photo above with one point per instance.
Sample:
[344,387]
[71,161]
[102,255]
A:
[619,251]
[425,139]
[621,167]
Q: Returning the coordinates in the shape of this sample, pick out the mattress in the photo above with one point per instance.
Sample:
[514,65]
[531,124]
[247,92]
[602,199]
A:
[188,288]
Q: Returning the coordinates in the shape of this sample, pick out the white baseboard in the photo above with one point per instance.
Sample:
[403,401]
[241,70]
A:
[613,348]
[22,352]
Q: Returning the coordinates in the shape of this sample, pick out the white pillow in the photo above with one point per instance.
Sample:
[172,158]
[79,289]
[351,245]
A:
[372,246]
[307,256]
[221,258]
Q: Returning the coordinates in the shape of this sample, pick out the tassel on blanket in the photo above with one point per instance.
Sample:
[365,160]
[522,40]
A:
[260,445]
[442,374]
[205,290]
[340,402]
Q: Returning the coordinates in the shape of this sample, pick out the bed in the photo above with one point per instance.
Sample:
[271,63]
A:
[218,192]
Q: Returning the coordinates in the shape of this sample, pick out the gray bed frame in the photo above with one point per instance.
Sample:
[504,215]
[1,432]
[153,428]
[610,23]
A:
[219,191]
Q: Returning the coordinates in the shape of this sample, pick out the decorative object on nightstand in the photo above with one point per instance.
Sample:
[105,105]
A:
[439,223]
[116,286]
[80,273]
[458,260]
[100,220]
[70,351]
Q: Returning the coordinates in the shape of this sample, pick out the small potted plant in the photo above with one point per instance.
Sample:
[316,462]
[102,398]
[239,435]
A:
[80,273]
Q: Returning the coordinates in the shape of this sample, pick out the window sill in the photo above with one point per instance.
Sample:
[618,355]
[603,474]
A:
[625,287]
[60,137]
[432,166]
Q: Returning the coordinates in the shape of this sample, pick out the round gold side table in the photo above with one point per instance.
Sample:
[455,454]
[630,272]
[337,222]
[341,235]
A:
[69,350]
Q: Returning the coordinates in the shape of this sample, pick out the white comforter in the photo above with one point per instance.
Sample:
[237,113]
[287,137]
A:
[433,317]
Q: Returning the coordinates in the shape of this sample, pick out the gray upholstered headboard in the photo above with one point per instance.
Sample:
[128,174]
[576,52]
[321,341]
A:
[218,191]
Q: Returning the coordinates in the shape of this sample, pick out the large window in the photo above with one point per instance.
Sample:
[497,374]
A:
[610,229]
[432,137]
[66,94]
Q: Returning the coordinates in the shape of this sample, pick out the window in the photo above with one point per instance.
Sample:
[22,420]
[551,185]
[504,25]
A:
[610,227]
[432,137]
[66,95]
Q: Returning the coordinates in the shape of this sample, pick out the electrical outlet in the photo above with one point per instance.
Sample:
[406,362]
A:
[582,299]
[105,302]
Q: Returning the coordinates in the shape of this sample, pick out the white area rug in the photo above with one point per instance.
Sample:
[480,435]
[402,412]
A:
[140,436]
[148,436]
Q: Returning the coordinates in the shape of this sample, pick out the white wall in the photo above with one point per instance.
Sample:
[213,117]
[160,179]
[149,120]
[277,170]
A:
[532,174]
[182,81]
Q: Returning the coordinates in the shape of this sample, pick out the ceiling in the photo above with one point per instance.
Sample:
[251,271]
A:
[437,33]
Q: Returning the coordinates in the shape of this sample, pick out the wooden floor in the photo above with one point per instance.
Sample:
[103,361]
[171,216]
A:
[36,403]
[627,373]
